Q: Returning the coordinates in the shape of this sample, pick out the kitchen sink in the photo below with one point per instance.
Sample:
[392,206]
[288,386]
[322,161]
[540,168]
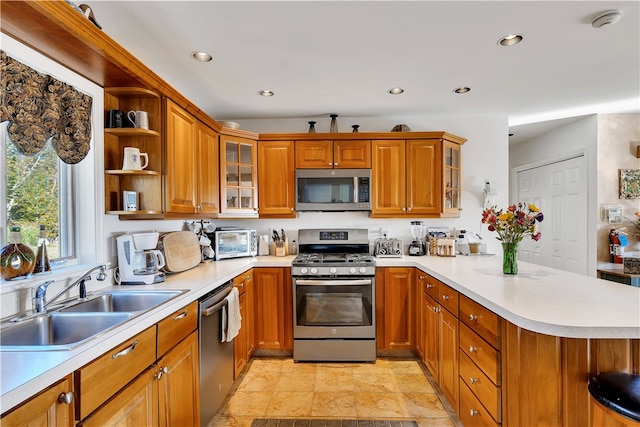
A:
[58,331]
[74,324]
[123,301]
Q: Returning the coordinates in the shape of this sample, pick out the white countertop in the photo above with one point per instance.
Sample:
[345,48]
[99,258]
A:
[539,299]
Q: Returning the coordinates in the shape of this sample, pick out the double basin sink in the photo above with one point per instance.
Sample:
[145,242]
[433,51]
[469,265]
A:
[76,323]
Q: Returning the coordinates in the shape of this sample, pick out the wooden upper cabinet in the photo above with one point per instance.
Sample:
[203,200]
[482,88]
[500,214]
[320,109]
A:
[415,178]
[352,154]
[276,179]
[192,165]
[238,177]
[341,154]
[181,134]
[208,177]
[423,176]
[388,178]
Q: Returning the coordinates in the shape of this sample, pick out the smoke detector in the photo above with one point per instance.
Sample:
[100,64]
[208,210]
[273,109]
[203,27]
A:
[608,17]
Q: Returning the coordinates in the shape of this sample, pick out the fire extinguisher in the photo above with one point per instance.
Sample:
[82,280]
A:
[616,242]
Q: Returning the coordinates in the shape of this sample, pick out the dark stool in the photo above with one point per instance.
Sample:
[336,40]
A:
[619,393]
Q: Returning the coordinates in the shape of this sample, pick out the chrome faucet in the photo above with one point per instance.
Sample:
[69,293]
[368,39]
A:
[40,302]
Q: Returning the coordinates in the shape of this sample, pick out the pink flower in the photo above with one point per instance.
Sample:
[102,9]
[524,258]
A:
[491,227]
[536,236]
[512,208]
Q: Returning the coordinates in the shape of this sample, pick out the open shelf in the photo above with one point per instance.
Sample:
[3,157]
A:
[131,172]
[131,132]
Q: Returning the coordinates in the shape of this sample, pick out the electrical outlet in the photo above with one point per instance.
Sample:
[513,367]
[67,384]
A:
[612,214]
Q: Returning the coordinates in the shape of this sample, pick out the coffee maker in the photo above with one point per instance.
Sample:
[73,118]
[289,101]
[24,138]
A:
[139,262]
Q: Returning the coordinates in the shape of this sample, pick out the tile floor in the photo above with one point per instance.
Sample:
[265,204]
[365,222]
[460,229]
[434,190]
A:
[279,388]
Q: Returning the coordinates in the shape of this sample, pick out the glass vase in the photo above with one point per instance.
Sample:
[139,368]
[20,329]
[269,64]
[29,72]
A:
[510,258]
[333,128]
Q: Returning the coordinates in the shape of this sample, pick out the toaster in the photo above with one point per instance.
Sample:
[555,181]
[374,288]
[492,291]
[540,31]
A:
[388,248]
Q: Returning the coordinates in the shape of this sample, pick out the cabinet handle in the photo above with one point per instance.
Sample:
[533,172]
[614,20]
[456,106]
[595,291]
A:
[445,297]
[409,209]
[404,209]
[472,349]
[473,317]
[436,310]
[473,380]
[198,207]
[126,350]
[241,285]
[181,315]
[429,285]
[473,412]
[330,164]
[66,398]
[291,209]
[335,164]
[161,372]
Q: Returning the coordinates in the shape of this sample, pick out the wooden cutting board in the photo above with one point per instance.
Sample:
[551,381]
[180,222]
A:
[181,251]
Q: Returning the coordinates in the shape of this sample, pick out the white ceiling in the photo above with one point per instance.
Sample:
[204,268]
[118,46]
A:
[341,57]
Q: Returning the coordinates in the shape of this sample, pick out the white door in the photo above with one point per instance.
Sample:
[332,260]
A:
[560,191]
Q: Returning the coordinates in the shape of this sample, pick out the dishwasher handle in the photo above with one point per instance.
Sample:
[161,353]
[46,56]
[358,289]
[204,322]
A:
[217,306]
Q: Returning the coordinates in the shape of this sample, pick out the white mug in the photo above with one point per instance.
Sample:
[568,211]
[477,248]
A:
[132,157]
[139,119]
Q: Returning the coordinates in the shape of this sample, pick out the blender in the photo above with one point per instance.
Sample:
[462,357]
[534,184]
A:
[418,230]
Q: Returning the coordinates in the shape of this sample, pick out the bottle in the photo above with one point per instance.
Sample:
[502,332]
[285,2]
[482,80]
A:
[42,258]
[16,259]
[334,123]
[293,248]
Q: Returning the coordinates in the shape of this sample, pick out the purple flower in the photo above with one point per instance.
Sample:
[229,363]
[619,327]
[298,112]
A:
[539,217]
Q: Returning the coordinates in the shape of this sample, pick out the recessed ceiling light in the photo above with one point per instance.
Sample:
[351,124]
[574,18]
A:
[395,90]
[201,56]
[510,40]
[608,17]
[462,89]
[266,93]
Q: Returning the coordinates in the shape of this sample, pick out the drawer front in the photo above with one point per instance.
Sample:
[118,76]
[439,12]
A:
[175,327]
[472,413]
[481,386]
[429,284]
[484,322]
[448,298]
[486,357]
[242,280]
[100,379]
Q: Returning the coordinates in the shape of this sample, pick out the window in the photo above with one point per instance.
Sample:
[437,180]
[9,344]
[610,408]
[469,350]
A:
[43,189]
[39,190]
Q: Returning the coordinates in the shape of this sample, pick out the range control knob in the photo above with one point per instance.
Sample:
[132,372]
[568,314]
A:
[303,270]
[352,270]
[314,270]
[363,270]
[333,270]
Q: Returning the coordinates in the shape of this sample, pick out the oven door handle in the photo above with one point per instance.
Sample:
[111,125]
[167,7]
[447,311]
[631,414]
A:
[355,282]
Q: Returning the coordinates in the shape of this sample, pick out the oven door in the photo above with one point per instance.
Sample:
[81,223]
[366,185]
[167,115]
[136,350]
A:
[334,308]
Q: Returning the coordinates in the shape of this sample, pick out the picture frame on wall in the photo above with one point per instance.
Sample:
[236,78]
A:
[629,184]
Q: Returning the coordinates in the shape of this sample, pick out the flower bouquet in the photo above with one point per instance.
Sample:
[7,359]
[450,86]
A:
[511,226]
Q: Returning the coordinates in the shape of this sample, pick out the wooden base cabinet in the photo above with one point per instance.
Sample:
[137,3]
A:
[51,408]
[397,294]
[243,342]
[136,405]
[439,332]
[273,291]
[178,379]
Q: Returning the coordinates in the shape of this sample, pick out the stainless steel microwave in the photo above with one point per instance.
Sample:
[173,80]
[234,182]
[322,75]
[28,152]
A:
[333,189]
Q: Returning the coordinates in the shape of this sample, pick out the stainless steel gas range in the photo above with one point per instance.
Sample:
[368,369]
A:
[334,296]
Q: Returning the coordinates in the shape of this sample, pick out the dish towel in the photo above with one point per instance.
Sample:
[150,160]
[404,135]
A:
[231,318]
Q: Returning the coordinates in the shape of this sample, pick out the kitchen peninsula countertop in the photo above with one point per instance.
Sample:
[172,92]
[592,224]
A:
[539,299]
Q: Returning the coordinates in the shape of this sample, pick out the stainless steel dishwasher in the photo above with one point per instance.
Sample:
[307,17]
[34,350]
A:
[216,357]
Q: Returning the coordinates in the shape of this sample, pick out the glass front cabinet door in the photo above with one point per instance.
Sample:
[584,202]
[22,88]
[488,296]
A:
[239,189]
[451,181]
